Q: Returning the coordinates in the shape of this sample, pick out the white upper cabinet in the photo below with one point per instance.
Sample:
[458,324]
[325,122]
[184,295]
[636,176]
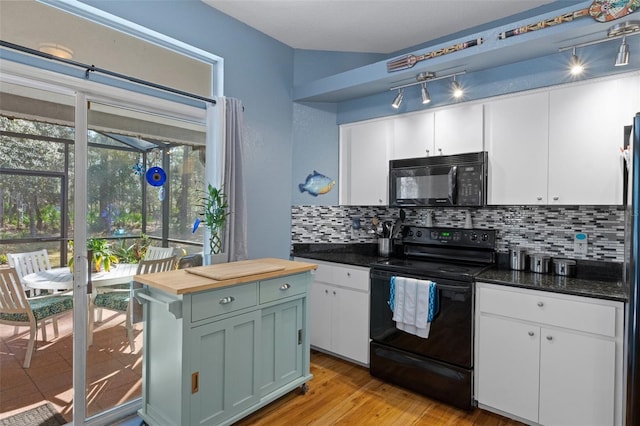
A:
[413,135]
[364,162]
[459,129]
[586,124]
[517,134]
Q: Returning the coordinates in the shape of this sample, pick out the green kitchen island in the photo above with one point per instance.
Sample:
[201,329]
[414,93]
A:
[222,341]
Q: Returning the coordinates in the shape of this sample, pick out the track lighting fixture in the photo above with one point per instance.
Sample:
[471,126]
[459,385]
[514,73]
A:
[622,58]
[422,79]
[425,94]
[623,30]
[398,100]
[576,67]
[456,89]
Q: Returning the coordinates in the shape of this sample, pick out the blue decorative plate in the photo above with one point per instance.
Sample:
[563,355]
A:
[156,176]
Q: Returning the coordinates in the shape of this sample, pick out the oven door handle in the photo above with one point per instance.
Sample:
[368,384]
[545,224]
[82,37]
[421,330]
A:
[458,288]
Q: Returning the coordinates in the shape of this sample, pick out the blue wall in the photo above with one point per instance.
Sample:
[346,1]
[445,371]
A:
[260,71]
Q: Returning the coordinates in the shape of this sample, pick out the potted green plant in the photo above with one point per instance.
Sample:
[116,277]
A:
[215,216]
[102,254]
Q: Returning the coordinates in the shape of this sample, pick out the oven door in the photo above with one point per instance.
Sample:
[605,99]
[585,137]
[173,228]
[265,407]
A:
[451,334]
[423,186]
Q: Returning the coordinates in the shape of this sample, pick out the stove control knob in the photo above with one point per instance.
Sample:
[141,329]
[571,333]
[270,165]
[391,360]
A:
[474,236]
[434,235]
[410,233]
[419,234]
[485,237]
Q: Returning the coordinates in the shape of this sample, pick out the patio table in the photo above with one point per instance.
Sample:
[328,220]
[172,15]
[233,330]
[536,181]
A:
[62,279]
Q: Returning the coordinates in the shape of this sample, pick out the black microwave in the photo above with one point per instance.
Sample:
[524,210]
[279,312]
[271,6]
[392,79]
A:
[442,180]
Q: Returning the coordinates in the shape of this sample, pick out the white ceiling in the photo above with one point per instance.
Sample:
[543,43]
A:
[375,26]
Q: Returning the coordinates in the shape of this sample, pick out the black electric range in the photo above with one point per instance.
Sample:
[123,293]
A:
[441,365]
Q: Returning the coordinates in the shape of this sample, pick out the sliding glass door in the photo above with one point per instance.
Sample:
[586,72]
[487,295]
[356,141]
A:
[37,132]
[145,174]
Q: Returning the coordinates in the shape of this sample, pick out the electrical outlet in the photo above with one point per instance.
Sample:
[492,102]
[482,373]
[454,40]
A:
[580,242]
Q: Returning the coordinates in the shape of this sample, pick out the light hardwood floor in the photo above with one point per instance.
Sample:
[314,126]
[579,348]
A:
[342,393]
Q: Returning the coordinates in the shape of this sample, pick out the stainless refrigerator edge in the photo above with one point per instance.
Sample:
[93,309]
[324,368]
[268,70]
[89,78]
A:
[632,248]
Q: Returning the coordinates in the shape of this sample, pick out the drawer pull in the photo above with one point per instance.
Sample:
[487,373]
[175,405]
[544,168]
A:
[226,300]
[531,333]
[540,304]
[549,338]
[285,286]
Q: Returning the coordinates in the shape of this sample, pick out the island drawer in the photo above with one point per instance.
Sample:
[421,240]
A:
[210,303]
[572,312]
[281,287]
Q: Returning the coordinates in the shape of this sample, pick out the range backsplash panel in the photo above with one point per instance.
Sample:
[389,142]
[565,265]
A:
[541,229]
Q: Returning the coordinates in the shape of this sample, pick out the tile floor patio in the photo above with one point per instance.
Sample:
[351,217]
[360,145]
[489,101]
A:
[113,374]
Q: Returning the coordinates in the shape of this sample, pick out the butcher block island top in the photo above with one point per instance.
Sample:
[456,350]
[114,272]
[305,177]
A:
[200,278]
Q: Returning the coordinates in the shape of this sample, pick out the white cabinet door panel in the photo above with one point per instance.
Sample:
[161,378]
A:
[413,136]
[364,163]
[517,135]
[576,371]
[508,368]
[459,129]
[320,315]
[585,133]
[351,324]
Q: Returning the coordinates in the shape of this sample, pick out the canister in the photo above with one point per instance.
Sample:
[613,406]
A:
[518,258]
[539,263]
[565,267]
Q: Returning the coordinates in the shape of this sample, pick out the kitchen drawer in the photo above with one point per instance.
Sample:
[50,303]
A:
[569,312]
[281,287]
[353,277]
[208,304]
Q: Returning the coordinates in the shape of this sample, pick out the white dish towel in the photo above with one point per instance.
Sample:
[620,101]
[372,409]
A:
[409,301]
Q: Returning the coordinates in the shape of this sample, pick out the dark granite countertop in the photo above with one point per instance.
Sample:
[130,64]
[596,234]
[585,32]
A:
[601,289]
[359,254]
[592,283]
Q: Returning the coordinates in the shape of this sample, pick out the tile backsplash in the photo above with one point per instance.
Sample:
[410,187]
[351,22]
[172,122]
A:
[542,229]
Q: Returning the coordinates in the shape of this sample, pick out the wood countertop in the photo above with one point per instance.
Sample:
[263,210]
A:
[200,278]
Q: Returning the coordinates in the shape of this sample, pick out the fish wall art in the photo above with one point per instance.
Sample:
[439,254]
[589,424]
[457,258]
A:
[316,184]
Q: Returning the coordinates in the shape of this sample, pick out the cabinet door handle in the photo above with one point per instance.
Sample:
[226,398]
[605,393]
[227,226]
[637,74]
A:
[549,338]
[556,198]
[427,152]
[326,292]
[285,286]
[334,292]
[194,382]
[539,198]
[226,300]
[440,151]
[540,304]
[531,333]
[348,274]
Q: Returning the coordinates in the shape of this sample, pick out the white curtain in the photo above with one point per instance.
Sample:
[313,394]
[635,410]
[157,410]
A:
[233,179]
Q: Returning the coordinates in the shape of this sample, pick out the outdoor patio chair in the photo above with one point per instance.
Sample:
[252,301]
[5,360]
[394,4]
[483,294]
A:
[18,310]
[154,253]
[119,298]
[28,263]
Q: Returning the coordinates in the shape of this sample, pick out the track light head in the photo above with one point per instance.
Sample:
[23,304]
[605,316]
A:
[426,98]
[622,58]
[456,89]
[576,67]
[398,100]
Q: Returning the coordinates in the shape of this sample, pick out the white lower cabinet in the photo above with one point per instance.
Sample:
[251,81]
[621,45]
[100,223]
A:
[339,311]
[549,359]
